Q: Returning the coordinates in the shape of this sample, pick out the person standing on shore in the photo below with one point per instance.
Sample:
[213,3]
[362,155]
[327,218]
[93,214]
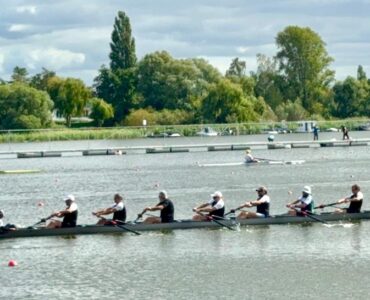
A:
[345,133]
[315,133]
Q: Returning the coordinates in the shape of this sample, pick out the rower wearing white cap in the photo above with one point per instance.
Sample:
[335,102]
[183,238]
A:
[262,205]
[214,207]
[69,215]
[249,157]
[165,206]
[304,203]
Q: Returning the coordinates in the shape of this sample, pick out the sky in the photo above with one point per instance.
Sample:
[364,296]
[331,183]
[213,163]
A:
[72,37]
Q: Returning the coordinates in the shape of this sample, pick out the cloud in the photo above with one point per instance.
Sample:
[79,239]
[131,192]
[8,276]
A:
[2,58]
[55,59]
[73,36]
[19,27]
[30,9]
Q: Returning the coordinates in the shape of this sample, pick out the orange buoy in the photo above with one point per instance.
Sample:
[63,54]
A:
[12,263]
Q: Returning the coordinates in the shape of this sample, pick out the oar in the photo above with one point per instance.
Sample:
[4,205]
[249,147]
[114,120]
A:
[221,224]
[139,216]
[122,226]
[232,211]
[216,221]
[310,215]
[41,221]
[326,205]
[266,159]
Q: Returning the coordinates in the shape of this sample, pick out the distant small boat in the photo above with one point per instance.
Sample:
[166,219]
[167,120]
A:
[19,171]
[332,129]
[262,162]
[207,131]
[364,127]
[164,135]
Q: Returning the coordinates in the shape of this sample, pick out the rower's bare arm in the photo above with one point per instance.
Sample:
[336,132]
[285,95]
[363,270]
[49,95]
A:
[106,211]
[199,207]
[207,209]
[354,199]
[292,203]
[157,207]
[344,200]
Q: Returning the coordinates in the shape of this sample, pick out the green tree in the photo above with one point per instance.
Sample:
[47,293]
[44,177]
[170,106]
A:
[117,84]
[361,74]
[351,98]
[100,111]
[168,83]
[20,75]
[123,53]
[304,64]
[268,82]
[291,111]
[70,97]
[237,68]
[226,103]
[40,80]
[23,107]
[237,73]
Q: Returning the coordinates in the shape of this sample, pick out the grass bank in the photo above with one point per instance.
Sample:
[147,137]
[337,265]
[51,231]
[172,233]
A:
[70,134]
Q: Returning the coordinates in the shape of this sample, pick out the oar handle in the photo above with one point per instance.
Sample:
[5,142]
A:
[140,215]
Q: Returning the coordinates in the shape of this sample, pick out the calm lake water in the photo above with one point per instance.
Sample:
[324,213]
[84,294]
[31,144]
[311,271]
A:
[269,262]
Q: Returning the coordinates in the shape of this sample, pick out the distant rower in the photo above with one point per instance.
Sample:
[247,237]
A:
[262,204]
[355,201]
[249,157]
[165,206]
[304,203]
[214,207]
[118,210]
[69,214]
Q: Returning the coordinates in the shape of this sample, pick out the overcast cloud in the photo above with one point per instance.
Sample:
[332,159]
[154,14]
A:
[72,37]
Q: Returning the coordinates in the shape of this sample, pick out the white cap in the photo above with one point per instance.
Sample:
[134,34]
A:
[216,194]
[307,190]
[69,197]
[1,211]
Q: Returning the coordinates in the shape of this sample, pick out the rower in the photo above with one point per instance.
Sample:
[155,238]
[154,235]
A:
[1,218]
[249,157]
[304,203]
[262,205]
[69,215]
[165,206]
[118,210]
[355,201]
[214,207]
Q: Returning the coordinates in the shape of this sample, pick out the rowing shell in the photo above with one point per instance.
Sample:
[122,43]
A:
[264,162]
[180,224]
[19,171]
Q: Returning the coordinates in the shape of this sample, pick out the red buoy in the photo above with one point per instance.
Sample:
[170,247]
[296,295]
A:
[12,263]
